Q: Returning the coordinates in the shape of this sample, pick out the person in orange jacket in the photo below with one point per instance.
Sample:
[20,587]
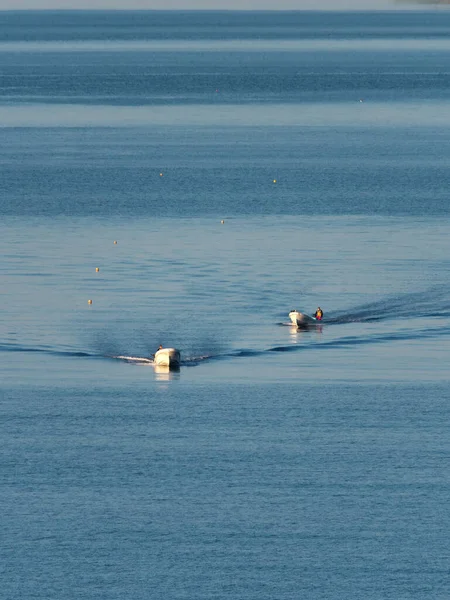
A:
[318,314]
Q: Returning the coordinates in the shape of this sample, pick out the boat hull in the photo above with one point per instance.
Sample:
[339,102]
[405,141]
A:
[300,319]
[167,357]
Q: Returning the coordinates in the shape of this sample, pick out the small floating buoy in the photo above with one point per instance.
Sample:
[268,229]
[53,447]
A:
[89,301]
[97,269]
[160,174]
[222,221]
[115,241]
[274,180]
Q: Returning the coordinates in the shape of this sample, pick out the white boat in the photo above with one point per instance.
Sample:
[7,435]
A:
[167,357]
[303,320]
[165,373]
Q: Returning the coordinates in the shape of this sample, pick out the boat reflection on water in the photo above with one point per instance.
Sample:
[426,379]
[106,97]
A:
[297,333]
[165,373]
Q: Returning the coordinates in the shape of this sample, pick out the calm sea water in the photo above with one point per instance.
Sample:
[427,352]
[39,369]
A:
[246,164]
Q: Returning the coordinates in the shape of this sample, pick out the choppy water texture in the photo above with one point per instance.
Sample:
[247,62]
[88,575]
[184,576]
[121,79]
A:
[245,164]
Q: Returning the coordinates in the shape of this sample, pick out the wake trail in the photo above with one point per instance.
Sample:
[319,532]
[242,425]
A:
[434,302]
[428,333]
[189,360]
[45,350]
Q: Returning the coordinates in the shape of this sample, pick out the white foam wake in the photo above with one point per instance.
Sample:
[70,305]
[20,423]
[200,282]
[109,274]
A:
[139,360]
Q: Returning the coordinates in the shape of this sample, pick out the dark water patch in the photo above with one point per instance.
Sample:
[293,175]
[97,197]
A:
[246,353]
[82,25]
[283,348]
[8,347]
[231,161]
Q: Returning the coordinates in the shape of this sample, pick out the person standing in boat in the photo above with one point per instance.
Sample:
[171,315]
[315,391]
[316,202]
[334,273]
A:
[318,314]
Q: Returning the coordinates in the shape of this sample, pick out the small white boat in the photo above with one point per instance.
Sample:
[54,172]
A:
[303,320]
[167,357]
[165,373]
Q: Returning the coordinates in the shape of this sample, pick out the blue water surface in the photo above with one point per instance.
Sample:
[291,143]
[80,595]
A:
[196,176]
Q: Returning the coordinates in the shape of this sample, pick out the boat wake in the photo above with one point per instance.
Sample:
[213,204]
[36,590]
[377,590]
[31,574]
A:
[137,360]
[434,302]
[311,344]
[382,338]
[13,347]
[417,316]
[189,361]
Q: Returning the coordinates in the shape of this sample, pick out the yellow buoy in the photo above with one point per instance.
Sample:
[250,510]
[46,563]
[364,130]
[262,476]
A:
[274,180]
[89,301]
[160,174]
[97,269]
[115,241]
